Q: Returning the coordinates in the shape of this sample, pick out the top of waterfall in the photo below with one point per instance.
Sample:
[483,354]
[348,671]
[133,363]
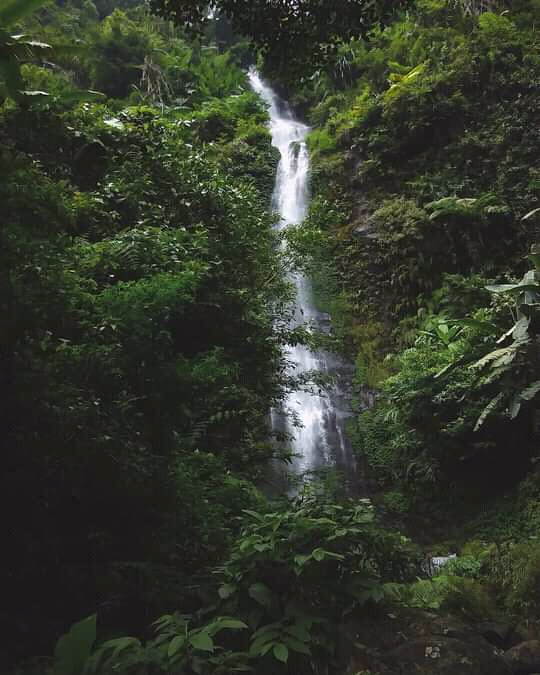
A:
[279,110]
[268,95]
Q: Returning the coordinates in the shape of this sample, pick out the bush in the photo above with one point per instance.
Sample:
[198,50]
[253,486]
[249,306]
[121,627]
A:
[454,593]
[118,53]
[516,572]
[396,502]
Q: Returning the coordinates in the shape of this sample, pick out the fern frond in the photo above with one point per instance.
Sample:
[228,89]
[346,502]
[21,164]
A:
[530,391]
[491,407]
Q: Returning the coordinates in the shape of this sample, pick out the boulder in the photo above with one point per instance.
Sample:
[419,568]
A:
[446,656]
[502,635]
[451,627]
[524,658]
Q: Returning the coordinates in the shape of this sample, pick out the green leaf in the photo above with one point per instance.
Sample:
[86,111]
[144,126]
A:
[176,645]
[163,621]
[15,10]
[535,259]
[246,543]
[530,391]
[253,514]
[73,649]
[260,548]
[491,406]
[281,652]
[515,407]
[122,643]
[506,353]
[202,641]
[261,594]
[108,652]
[262,645]
[318,554]
[299,631]
[301,560]
[270,631]
[229,622]
[227,590]
[296,645]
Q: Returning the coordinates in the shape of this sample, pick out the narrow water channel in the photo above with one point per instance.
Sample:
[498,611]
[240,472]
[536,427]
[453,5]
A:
[319,437]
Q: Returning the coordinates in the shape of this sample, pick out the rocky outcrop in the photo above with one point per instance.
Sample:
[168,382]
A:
[502,635]
[446,656]
[422,643]
[524,658]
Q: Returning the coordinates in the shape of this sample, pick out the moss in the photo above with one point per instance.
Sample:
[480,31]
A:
[516,571]
[369,341]
[399,218]
[321,141]
[395,501]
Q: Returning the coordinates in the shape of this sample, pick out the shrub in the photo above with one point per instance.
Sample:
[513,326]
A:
[516,571]
[396,502]
[454,593]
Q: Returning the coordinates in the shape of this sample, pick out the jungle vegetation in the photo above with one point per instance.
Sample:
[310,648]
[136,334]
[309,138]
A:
[143,308]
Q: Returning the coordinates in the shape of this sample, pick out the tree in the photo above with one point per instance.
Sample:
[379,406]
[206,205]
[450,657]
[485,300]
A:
[289,33]
[16,49]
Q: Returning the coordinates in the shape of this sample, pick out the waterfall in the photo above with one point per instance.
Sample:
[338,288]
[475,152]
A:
[320,438]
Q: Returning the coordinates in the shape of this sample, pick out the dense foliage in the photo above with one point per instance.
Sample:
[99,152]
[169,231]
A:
[425,171]
[139,286]
[289,34]
[291,578]
[423,243]
[143,308]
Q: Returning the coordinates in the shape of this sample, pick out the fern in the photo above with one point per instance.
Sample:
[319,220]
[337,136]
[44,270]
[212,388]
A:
[530,392]
[491,407]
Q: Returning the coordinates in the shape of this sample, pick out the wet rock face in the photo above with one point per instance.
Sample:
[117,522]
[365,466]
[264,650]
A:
[447,656]
[420,643]
[524,658]
[502,635]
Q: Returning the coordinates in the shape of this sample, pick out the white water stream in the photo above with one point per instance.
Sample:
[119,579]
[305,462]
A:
[320,440]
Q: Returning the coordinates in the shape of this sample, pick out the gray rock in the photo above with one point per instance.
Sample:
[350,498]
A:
[524,658]
[366,230]
[451,627]
[501,635]
[524,634]
[446,656]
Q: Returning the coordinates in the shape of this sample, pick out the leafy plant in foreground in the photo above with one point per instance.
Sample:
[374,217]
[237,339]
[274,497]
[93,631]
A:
[178,647]
[291,578]
[294,574]
[516,366]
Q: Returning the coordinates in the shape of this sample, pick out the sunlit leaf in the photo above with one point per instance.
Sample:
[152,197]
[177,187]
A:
[229,622]
[227,590]
[261,594]
[530,392]
[73,649]
[490,408]
[281,652]
[202,641]
[176,645]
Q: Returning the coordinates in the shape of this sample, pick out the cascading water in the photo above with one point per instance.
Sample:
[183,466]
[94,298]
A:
[320,440]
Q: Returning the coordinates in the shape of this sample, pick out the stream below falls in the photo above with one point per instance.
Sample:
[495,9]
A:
[315,420]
